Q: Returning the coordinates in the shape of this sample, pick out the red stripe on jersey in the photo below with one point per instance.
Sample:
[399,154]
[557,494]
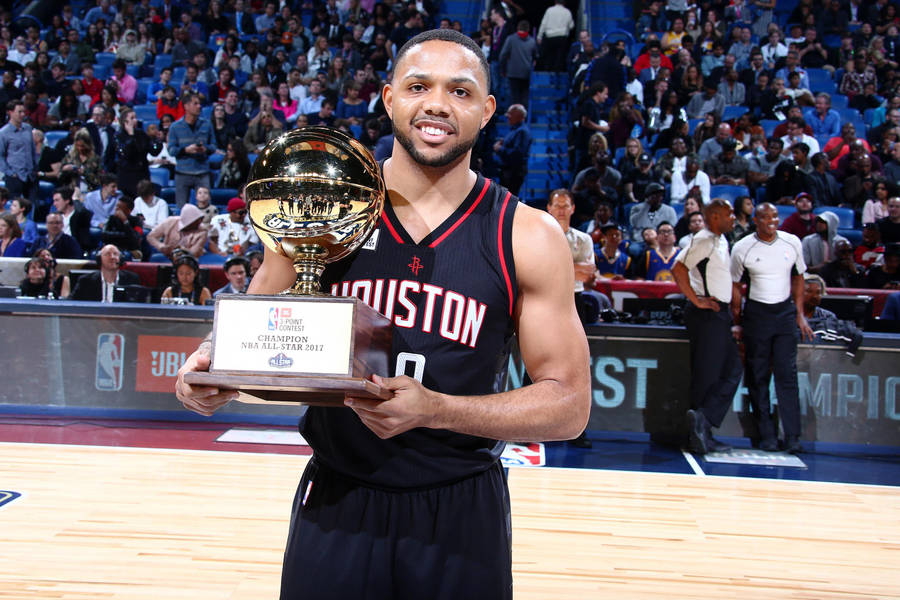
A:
[390,227]
[502,255]
[487,183]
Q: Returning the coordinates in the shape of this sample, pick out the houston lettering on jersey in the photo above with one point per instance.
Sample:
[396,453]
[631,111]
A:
[413,304]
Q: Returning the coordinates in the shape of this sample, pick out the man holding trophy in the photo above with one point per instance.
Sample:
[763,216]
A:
[404,496]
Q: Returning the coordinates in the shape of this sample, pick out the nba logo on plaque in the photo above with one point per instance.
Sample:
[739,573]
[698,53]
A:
[110,357]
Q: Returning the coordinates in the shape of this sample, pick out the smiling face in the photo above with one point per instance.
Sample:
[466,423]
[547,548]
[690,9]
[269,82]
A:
[438,102]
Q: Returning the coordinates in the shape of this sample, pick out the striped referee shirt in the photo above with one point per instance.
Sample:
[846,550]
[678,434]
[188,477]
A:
[708,265]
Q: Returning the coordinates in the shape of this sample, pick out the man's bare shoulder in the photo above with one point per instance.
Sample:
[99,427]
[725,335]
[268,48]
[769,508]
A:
[539,244]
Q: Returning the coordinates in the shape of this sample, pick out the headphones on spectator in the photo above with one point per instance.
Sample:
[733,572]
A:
[183,258]
[99,259]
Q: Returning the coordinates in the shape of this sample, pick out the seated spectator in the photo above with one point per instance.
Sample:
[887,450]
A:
[732,90]
[649,213]
[709,101]
[35,111]
[727,168]
[696,223]
[842,270]
[656,263]
[235,167]
[822,184]
[124,84]
[684,182]
[351,107]
[859,187]
[713,146]
[870,249]
[11,242]
[623,117]
[65,111]
[796,135]
[847,164]
[222,131]
[123,230]
[151,209]
[692,204]
[232,234]
[786,184]
[802,222]
[102,202]
[35,284]
[130,49]
[838,146]
[60,285]
[819,247]
[285,103]
[203,199]
[83,162]
[162,160]
[20,208]
[824,120]
[237,269]
[325,116]
[637,180]
[599,181]
[76,218]
[612,263]
[743,219]
[187,280]
[867,99]
[262,129]
[603,215]
[185,232]
[234,115]
[889,226]
[58,243]
[169,104]
[155,91]
[99,286]
[885,276]
[800,158]
[762,168]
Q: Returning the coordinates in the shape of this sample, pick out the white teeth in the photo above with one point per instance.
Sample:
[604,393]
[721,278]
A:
[433,130]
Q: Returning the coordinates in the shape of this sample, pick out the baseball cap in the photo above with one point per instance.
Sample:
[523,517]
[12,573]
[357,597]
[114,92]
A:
[645,159]
[236,204]
[653,188]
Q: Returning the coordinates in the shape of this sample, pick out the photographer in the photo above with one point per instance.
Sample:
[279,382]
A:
[132,148]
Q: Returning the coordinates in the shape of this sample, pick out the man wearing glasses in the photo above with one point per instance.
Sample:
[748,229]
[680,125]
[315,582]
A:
[231,234]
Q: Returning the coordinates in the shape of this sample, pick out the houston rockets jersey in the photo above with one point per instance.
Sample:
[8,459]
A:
[450,298]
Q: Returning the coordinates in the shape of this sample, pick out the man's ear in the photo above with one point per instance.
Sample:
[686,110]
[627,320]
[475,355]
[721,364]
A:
[490,105]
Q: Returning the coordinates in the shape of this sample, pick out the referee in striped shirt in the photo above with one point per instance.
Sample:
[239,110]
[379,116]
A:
[772,321]
[703,274]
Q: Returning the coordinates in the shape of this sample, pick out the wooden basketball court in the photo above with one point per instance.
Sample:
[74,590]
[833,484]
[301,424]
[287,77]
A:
[127,523]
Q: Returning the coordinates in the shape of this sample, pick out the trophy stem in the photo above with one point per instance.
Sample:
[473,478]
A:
[309,263]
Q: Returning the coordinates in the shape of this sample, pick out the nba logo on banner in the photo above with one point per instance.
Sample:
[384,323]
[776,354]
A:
[110,358]
[273,318]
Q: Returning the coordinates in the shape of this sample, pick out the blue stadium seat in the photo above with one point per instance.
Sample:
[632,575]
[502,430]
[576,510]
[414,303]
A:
[850,114]
[209,258]
[785,211]
[733,112]
[221,196]
[167,194]
[869,116]
[215,161]
[178,74]
[157,257]
[692,124]
[162,60]
[102,72]
[159,176]
[769,126]
[839,101]
[620,152]
[104,58]
[853,235]
[51,138]
[728,192]
[45,192]
[146,113]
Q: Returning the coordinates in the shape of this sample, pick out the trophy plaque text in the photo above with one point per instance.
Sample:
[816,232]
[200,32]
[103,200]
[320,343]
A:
[314,196]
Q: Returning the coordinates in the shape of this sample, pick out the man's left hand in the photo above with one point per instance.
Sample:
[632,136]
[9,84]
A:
[806,332]
[411,406]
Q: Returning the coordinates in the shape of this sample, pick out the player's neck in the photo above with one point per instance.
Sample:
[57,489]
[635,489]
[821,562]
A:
[423,197]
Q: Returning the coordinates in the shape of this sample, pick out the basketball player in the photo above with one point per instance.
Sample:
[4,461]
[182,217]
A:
[406,498]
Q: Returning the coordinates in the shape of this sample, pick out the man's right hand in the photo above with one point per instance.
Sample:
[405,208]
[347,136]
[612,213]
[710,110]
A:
[707,303]
[201,399]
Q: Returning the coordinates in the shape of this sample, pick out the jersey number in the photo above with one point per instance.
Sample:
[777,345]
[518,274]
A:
[418,362]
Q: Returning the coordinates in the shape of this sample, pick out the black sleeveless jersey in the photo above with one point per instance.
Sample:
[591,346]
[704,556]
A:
[450,298]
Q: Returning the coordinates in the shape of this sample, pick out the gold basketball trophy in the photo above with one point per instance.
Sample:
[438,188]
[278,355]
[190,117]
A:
[314,196]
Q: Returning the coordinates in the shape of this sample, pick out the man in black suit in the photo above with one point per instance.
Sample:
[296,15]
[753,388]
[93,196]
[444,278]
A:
[103,135]
[100,285]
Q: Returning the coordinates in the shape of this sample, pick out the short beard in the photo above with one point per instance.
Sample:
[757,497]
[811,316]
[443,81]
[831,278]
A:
[449,157]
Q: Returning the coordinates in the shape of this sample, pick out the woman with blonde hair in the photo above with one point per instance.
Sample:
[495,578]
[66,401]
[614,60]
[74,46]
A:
[629,160]
[82,161]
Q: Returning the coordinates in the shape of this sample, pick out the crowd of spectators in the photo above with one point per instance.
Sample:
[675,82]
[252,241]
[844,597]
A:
[710,100]
[731,100]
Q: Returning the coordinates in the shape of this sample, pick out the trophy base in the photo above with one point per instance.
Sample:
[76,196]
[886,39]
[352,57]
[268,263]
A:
[291,390]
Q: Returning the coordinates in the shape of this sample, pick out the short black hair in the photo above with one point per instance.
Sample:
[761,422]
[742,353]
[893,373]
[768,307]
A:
[447,35]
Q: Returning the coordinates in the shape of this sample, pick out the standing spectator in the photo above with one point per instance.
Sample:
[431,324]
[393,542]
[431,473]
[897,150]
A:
[60,244]
[191,142]
[103,137]
[18,156]
[221,129]
[133,148]
[769,321]
[703,274]
[147,205]
[11,243]
[513,149]
[590,121]
[889,226]
[517,60]
[553,33]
